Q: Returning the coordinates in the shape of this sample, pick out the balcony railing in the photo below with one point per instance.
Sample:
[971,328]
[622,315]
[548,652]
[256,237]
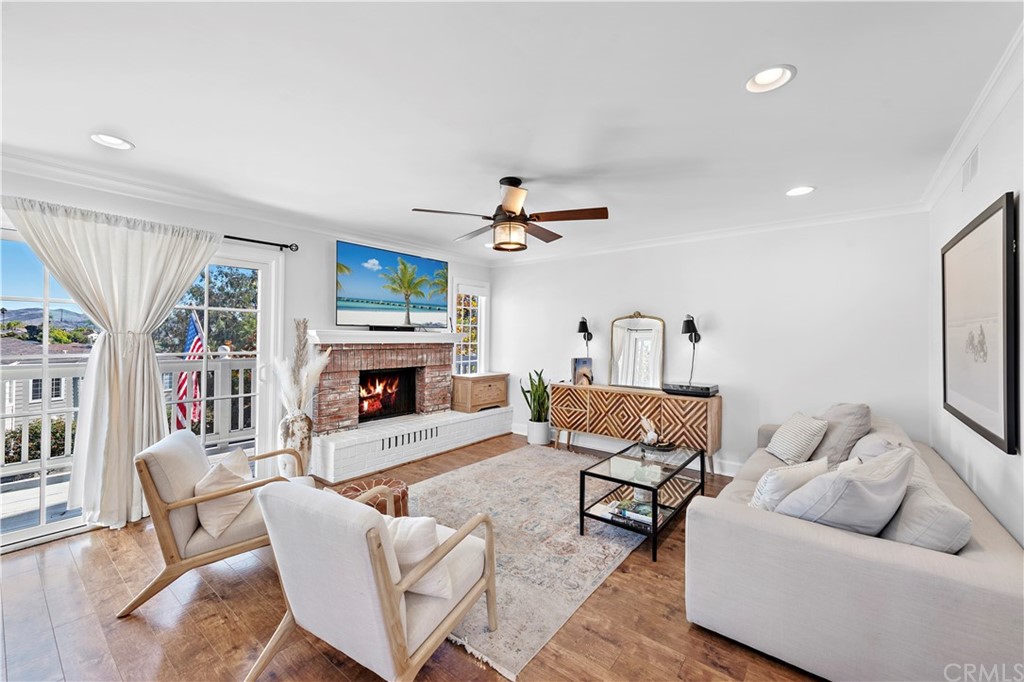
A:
[228,408]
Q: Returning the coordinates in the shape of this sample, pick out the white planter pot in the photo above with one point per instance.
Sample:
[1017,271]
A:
[538,433]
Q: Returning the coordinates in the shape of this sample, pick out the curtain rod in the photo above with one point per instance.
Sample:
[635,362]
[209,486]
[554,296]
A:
[291,247]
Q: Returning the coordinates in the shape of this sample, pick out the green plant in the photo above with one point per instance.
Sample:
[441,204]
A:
[537,397]
[405,282]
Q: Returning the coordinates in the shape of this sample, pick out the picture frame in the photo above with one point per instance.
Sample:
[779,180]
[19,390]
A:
[582,372]
[980,384]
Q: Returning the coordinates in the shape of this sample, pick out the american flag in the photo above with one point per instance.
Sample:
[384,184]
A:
[193,351]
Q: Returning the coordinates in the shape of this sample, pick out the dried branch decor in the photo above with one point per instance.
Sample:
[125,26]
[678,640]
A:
[297,379]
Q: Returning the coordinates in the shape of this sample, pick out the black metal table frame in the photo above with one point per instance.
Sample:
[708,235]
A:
[655,526]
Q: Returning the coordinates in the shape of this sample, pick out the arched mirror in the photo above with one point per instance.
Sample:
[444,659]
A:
[638,343]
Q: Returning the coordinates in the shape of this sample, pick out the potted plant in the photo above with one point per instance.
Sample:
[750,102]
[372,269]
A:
[538,431]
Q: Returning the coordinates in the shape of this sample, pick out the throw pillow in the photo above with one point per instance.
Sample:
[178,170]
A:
[847,424]
[796,439]
[414,538]
[927,518]
[861,498]
[885,435]
[216,515]
[781,481]
[843,466]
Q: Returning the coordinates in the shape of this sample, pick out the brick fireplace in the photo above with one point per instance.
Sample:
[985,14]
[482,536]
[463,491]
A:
[337,405]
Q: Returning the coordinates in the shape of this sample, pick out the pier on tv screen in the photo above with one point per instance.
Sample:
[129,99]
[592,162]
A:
[387,288]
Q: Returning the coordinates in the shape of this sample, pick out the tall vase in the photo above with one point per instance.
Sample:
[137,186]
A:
[296,432]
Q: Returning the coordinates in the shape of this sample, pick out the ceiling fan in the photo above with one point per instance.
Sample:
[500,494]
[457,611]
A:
[511,223]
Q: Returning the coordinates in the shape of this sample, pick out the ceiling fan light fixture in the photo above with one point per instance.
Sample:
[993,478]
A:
[509,236]
[772,78]
[512,199]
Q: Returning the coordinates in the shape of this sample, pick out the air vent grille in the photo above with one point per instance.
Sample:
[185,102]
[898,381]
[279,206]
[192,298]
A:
[410,438]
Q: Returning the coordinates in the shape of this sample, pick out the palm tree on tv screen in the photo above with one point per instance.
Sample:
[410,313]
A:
[439,283]
[342,270]
[406,282]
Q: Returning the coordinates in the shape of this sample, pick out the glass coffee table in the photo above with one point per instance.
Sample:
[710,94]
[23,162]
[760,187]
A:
[648,478]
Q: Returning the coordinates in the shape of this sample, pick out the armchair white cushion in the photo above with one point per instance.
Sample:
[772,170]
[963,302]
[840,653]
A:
[341,578]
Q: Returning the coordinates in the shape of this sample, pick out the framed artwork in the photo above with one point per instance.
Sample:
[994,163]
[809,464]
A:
[582,371]
[979,325]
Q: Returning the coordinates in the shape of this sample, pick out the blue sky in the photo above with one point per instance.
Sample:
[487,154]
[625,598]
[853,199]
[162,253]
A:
[21,274]
[367,263]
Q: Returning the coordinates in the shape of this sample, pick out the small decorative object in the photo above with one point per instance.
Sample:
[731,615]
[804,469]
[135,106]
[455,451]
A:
[537,398]
[650,435]
[582,371]
[979,325]
[297,380]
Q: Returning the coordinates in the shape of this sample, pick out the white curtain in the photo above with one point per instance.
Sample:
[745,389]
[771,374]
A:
[126,274]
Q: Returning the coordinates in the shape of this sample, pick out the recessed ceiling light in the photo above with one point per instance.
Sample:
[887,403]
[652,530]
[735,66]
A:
[799,191]
[771,78]
[112,141]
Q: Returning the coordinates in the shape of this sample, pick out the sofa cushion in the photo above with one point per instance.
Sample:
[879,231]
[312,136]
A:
[779,482]
[246,526]
[796,439]
[759,462]
[927,518]
[884,435]
[738,491]
[847,424]
[861,499]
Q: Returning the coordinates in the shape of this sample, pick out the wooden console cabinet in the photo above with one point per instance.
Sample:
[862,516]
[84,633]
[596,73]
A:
[615,411]
[474,392]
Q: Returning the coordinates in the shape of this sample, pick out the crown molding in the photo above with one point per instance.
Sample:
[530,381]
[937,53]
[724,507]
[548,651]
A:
[53,170]
[1005,79]
[732,232]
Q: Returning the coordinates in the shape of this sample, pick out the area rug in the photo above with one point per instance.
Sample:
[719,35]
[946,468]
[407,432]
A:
[545,569]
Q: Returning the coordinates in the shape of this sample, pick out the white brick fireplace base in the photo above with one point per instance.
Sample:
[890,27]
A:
[381,445]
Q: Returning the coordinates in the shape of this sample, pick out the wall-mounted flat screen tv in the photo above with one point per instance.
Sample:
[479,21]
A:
[377,287]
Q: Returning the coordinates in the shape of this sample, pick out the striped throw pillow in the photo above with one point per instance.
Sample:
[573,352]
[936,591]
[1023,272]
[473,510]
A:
[796,439]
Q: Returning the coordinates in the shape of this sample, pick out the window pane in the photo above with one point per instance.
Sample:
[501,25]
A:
[233,287]
[22,271]
[231,332]
[62,434]
[37,390]
[21,330]
[71,330]
[195,294]
[170,337]
[19,501]
[22,440]
[57,291]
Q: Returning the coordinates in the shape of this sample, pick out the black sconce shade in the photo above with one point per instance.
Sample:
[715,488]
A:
[690,327]
[584,329]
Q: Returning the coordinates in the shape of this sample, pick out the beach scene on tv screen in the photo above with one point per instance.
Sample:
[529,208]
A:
[381,287]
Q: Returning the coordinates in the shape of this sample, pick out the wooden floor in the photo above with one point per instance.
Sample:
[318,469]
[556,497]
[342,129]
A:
[59,601]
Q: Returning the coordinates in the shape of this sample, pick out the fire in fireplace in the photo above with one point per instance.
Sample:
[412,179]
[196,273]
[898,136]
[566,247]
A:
[386,393]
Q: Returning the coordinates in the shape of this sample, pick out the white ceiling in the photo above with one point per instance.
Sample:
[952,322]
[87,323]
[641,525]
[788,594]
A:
[351,114]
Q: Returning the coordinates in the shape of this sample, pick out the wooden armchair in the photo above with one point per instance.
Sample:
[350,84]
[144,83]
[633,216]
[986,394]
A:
[169,471]
[342,582]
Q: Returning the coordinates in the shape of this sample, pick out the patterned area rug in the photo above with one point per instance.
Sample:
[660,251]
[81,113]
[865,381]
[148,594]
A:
[546,570]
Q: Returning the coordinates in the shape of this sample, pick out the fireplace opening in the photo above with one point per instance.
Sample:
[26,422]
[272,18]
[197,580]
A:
[386,393]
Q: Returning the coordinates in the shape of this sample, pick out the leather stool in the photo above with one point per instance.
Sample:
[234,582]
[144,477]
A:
[399,490]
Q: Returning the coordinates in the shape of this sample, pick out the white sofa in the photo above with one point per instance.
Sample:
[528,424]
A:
[853,607]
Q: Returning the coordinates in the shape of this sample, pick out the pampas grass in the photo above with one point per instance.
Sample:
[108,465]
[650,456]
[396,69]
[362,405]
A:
[299,377]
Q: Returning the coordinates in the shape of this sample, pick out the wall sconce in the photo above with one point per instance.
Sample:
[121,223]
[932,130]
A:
[690,328]
[584,329]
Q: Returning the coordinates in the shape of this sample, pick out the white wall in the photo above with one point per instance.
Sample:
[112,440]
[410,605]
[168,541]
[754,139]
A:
[791,319]
[308,273]
[997,478]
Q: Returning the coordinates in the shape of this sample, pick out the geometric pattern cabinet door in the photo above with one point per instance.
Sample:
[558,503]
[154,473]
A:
[615,411]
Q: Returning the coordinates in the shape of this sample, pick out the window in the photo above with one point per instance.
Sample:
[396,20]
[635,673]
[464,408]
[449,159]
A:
[44,343]
[470,321]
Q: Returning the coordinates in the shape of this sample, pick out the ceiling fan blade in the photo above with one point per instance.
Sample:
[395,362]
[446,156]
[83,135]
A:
[433,210]
[541,233]
[571,214]
[474,233]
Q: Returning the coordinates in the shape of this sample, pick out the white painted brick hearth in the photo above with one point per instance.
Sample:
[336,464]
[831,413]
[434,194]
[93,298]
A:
[380,445]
